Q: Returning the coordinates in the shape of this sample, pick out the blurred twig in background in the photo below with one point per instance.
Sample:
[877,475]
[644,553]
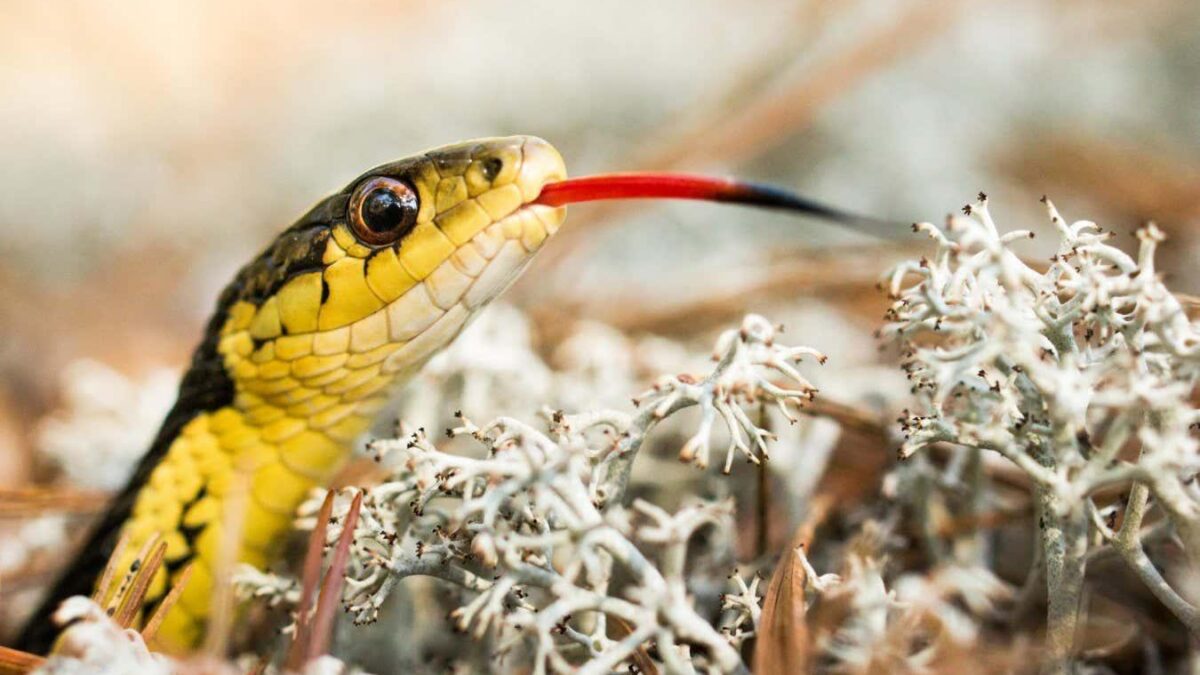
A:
[758,111]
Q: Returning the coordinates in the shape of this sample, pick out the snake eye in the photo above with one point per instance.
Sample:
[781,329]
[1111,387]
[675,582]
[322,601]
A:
[382,210]
[491,167]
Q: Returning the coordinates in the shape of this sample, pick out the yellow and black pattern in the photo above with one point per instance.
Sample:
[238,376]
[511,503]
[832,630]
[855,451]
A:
[305,348]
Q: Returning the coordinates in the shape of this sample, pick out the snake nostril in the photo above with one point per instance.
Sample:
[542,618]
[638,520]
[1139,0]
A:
[491,167]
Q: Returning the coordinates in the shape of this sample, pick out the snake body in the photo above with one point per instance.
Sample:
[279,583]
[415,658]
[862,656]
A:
[306,346]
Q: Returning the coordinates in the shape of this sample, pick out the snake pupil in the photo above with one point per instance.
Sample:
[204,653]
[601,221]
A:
[383,211]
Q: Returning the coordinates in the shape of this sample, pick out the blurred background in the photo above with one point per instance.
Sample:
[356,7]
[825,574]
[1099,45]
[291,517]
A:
[148,149]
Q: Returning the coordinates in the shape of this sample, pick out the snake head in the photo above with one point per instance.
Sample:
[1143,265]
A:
[458,221]
[390,269]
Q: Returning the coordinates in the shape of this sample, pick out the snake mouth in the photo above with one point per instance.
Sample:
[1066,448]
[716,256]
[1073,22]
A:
[541,165]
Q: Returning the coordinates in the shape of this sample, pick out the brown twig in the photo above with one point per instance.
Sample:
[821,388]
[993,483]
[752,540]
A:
[148,567]
[16,662]
[308,585]
[782,644]
[331,589]
[30,502]
[620,629]
[1136,182]
[110,569]
[160,613]
[850,417]
[117,596]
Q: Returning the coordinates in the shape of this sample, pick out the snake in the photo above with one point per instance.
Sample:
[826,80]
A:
[313,337]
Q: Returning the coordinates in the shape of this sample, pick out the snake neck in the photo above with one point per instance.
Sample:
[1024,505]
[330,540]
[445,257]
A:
[296,403]
[299,403]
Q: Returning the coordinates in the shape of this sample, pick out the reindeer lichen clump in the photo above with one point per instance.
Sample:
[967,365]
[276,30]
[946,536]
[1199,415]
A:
[1080,374]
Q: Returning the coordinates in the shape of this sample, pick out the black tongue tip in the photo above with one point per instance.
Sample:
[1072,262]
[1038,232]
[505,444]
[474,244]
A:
[779,199]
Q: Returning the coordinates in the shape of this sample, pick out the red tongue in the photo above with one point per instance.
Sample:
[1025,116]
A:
[688,186]
[636,186]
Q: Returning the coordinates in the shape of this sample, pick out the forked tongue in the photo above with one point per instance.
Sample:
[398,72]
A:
[651,185]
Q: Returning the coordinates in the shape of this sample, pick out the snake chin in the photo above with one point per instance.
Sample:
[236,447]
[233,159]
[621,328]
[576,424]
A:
[525,230]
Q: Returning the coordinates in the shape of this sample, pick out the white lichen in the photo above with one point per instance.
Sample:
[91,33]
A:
[91,642]
[105,423]
[1078,371]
